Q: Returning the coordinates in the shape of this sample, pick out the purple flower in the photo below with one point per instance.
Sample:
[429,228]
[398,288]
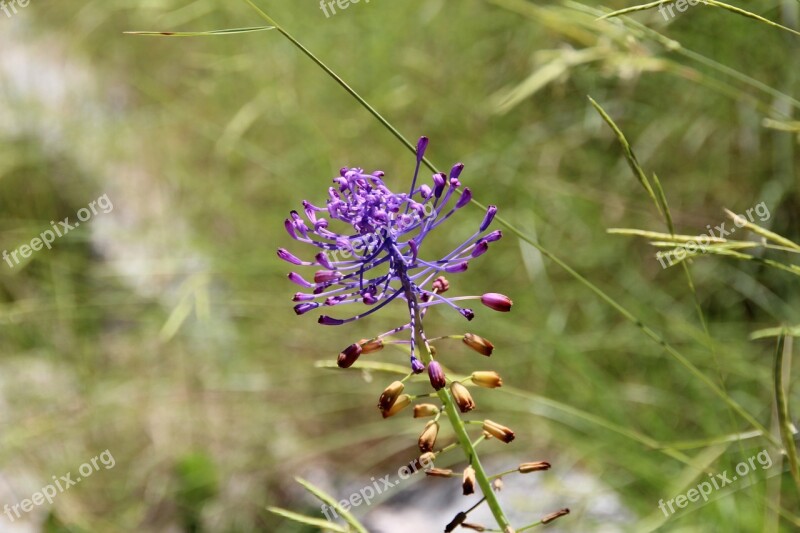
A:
[378,254]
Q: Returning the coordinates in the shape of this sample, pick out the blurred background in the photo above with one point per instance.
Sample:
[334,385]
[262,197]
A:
[163,332]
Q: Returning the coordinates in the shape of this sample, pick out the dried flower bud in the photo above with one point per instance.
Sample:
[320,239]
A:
[462,397]
[427,439]
[390,395]
[436,375]
[441,284]
[497,485]
[496,301]
[499,431]
[473,527]
[399,404]
[468,481]
[425,409]
[455,522]
[537,466]
[349,356]
[488,379]
[370,345]
[552,516]
[479,344]
[439,472]
[426,459]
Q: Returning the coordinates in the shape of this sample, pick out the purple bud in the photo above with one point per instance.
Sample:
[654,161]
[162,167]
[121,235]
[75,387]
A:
[294,277]
[290,228]
[466,196]
[496,235]
[467,313]
[301,309]
[422,145]
[326,320]
[325,276]
[417,366]
[348,356]
[438,184]
[491,211]
[302,297]
[414,250]
[369,298]
[436,375]
[480,248]
[496,301]
[456,268]
[322,259]
[455,172]
[425,191]
[284,254]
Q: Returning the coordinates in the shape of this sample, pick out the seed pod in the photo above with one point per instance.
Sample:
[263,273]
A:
[427,440]
[488,379]
[468,481]
[390,395]
[496,301]
[425,409]
[499,431]
[537,466]
[400,403]
[348,356]
[462,397]
[552,516]
[479,344]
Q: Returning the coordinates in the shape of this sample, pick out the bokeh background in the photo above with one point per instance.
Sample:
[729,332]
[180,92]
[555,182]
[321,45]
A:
[163,331]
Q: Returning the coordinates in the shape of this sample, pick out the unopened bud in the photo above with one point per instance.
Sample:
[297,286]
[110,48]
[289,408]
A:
[488,379]
[426,459]
[455,522]
[496,301]
[497,485]
[370,345]
[399,404]
[390,395]
[537,466]
[473,527]
[436,375]
[468,481]
[462,397]
[425,409]
[499,431]
[479,344]
[439,472]
[552,516]
[427,439]
[348,356]
[441,284]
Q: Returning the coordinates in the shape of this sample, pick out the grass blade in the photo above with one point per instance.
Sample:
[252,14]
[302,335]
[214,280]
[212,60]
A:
[231,31]
[784,418]
[331,501]
[303,519]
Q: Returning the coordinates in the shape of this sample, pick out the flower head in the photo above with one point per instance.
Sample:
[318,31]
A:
[376,255]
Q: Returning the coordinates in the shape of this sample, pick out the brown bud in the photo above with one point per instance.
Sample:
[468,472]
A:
[439,472]
[455,522]
[427,439]
[468,481]
[497,485]
[552,516]
[473,527]
[462,397]
[426,459]
[441,284]
[479,344]
[499,431]
[425,409]
[399,404]
[349,355]
[489,379]
[537,466]
[389,396]
[370,345]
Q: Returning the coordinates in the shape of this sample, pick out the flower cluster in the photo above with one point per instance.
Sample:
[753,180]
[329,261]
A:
[378,258]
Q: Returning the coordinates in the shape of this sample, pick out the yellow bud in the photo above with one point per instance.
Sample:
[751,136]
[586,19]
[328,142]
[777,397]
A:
[427,439]
[425,409]
[389,396]
[370,345]
[462,397]
[439,472]
[479,344]
[552,516]
[499,431]
[537,466]
[401,403]
[488,379]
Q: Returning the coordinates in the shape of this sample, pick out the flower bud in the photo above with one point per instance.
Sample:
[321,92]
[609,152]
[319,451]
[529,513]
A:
[436,375]
[455,522]
[370,345]
[439,472]
[390,395]
[416,366]
[326,276]
[496,301]
[479,344]
[488,379]
[441,284]
[427,440]
[552,516]
[462,397]
[491,211]
[473,527]
[537,466]
[426,459]
[399,404]
[497,485]
[349,356]
[425,409]
[499,431]
[468,481]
